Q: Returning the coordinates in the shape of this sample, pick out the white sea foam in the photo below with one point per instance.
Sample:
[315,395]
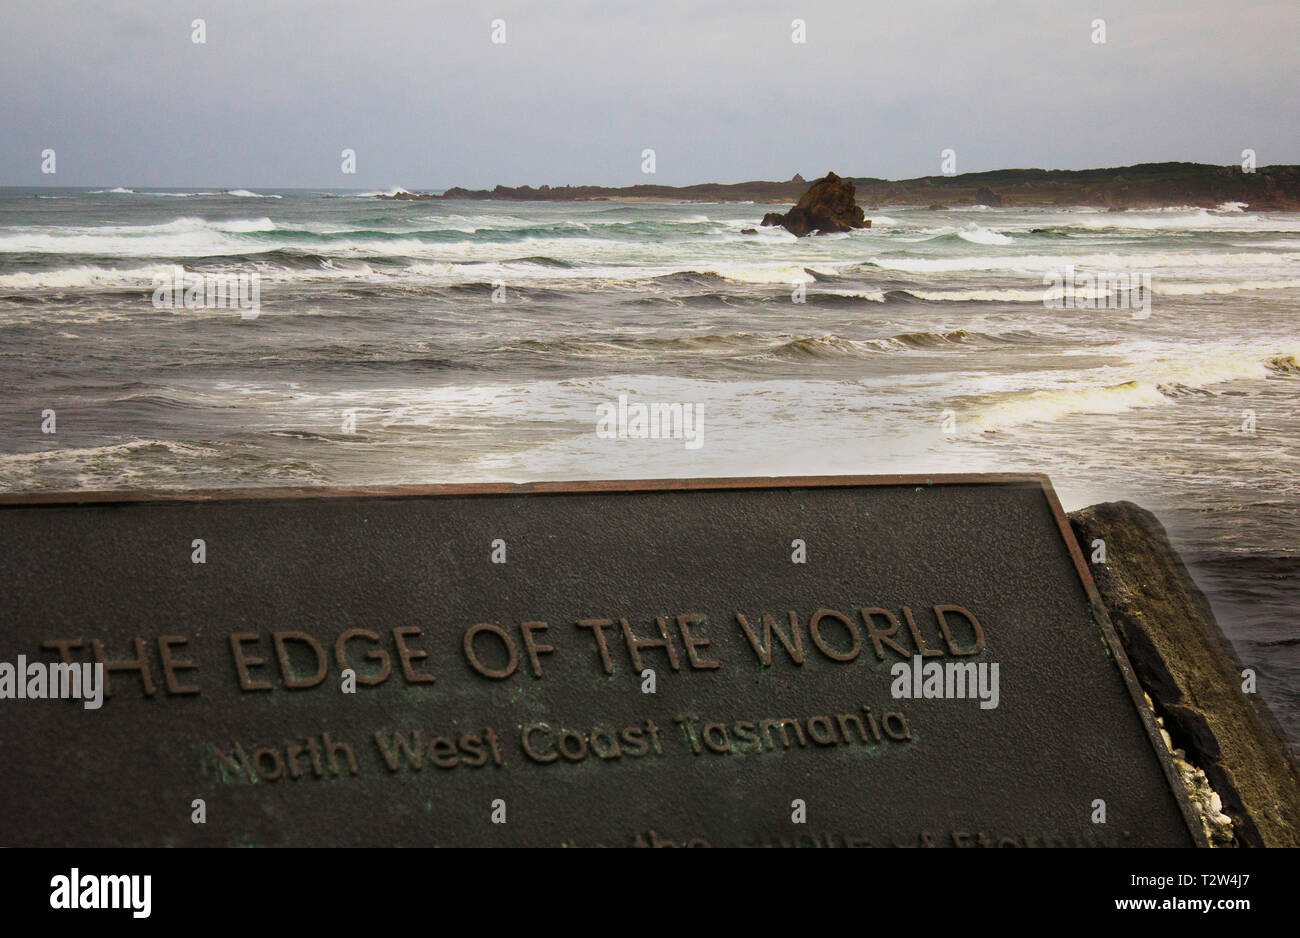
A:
[1162,288]
[84,277]
[561,417]
[153,463]
[782,273]
[431,270]
[1094,391]
[1051,262]
[977,234]
[989,296]
[1204,289]
[88,453]
[876,296]
[1045,406]
[183,237]
[243,224]
[1187,219]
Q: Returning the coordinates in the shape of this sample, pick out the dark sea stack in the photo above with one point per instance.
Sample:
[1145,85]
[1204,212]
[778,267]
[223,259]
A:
[406,196]
[1191,673]
[456,192]
[986,196]
[748,231]
[829,206]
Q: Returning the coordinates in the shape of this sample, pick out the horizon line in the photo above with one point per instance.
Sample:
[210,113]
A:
[590,185]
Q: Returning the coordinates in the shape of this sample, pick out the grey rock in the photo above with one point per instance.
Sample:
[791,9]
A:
[1192,674]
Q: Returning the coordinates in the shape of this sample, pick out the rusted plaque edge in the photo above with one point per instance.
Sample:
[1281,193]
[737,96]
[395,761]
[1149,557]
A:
[1100,617]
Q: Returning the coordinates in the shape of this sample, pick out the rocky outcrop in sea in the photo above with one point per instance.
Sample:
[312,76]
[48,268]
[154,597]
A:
[830,205]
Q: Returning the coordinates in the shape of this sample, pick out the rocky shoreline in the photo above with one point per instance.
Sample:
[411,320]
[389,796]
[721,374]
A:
[1229,752]
[1146,185]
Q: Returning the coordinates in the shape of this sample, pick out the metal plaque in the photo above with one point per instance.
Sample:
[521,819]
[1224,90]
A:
[823,661]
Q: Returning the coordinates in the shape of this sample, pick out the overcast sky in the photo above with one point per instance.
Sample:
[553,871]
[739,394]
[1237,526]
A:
[579,89]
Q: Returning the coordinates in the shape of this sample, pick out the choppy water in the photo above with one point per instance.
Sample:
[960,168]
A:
[382,313]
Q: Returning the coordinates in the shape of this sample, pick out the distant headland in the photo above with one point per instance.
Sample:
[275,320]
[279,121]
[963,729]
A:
[1145,185]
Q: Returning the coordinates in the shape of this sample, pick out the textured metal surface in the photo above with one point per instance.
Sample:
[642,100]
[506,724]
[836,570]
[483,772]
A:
[1067,730]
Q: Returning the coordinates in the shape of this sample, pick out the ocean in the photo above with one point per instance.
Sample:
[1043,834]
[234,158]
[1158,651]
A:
[431,341]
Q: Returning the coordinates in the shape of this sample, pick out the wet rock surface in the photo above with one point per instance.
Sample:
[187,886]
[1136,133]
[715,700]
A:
[829,206]
[1229,749]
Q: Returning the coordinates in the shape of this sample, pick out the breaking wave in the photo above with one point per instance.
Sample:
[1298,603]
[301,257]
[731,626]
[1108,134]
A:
[1159,383]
